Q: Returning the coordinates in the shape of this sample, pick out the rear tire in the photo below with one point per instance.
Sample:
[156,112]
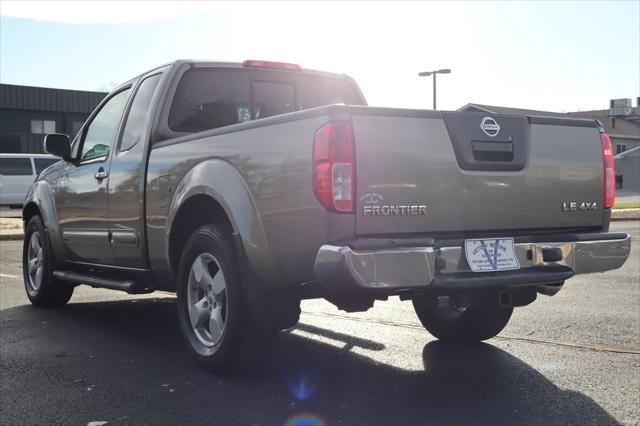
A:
[216,320]
[451,323]
[42,289]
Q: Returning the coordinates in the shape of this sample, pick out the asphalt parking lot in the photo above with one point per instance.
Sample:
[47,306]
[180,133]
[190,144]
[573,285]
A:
[111,357]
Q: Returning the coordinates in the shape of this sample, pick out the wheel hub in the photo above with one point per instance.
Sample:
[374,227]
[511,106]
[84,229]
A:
[35,267]
[207,299]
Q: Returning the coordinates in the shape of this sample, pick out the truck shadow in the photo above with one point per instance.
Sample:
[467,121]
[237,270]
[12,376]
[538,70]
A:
[124,362]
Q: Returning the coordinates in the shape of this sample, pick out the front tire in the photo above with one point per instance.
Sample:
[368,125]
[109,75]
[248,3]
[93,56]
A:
[215,317]
[461,324]
[42,289]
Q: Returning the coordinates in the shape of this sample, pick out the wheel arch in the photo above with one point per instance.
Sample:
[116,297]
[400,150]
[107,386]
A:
[30,210]
[40,201]
[215,192]
[198,210]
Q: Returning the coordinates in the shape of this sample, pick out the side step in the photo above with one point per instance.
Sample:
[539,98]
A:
[128,286]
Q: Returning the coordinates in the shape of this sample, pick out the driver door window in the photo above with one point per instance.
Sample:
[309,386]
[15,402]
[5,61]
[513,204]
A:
[102,130]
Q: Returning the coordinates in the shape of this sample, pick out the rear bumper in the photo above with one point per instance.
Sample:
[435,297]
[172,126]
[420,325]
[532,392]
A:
[443,265]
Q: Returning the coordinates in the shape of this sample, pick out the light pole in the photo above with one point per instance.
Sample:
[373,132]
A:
[427,74]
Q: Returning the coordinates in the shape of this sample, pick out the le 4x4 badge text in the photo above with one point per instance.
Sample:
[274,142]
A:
[572,206]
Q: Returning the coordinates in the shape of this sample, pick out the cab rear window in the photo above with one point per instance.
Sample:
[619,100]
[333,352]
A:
[272,98]
[315,91]
[210,98]
[207,99]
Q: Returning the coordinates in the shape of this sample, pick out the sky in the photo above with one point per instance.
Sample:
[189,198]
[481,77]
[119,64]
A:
[553,56]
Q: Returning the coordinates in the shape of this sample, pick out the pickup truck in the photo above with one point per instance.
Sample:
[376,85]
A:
[248,187]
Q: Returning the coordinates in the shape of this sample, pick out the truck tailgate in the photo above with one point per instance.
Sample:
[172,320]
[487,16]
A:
[421,171]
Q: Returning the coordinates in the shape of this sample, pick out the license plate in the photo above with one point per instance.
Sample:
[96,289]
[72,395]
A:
[491,255]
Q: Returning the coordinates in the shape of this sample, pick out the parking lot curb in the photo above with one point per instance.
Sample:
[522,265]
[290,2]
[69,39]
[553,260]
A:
[11,228]
[625,214]
[11,237]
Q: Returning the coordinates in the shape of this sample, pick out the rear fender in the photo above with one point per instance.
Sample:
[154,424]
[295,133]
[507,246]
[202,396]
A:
[222,182]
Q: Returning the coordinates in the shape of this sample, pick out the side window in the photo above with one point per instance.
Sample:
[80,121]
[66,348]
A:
[43,163]
[272,98]
[15,167]
[102,130]
[210,98]
[138,112]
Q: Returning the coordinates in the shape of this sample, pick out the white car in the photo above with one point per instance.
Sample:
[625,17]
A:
[17,173]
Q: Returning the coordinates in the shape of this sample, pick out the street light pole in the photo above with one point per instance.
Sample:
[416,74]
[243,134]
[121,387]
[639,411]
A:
[428,73]
[434,90]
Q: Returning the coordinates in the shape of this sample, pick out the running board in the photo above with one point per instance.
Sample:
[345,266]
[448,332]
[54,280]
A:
[128,286]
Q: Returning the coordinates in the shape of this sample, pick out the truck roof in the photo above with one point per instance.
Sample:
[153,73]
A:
[246,65]
[242,65]
[222,64]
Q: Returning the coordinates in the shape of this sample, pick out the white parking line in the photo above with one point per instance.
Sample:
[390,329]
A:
[9,276]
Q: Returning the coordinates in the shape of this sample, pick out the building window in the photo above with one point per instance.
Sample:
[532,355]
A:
[621,147]
[43,127]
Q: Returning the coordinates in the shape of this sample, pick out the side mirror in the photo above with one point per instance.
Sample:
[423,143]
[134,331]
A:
[58,144]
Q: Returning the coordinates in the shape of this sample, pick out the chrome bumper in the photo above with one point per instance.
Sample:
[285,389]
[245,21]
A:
[419,267]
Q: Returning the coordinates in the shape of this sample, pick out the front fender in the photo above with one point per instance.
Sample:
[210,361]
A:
[41,195]
[221,181]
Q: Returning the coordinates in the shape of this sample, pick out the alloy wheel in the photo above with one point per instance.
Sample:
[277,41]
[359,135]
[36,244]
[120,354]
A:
[207,299]
[35,267]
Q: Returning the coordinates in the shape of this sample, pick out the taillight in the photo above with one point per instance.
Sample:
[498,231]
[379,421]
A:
[334,168]
[609,171]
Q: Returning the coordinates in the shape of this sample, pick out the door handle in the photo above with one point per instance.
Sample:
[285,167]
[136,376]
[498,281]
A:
[101,174]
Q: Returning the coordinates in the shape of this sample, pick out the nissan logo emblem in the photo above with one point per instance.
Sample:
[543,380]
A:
[489,127]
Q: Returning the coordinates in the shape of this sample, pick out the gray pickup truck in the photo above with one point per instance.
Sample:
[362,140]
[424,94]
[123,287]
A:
[248,187]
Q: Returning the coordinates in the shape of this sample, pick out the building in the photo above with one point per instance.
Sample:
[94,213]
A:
[621,122]
[28,113]
[628,166]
